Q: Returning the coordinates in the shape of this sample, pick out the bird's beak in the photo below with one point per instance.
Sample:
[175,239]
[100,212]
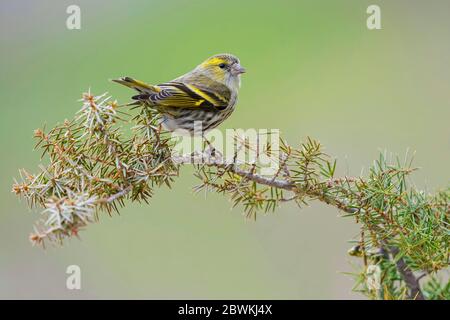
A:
[237,69]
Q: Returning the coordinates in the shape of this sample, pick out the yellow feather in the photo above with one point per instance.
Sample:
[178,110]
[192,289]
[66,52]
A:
[200,93]
[214,61]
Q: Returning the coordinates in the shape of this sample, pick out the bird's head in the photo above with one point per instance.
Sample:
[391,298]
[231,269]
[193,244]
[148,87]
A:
[224,68]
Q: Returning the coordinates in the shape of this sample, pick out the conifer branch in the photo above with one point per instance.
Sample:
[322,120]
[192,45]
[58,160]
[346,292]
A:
[91,166]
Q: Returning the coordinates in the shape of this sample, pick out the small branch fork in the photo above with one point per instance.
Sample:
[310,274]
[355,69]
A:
[116,196]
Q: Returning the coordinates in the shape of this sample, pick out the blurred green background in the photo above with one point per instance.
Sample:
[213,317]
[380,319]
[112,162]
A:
[313,69]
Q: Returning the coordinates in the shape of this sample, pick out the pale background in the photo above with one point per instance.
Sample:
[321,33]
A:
[313,69]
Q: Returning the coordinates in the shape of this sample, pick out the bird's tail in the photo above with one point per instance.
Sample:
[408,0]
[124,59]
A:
[137,85]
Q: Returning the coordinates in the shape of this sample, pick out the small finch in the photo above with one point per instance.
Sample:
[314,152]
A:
[207,94]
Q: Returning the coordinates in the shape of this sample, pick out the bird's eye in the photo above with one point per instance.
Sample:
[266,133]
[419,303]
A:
[222,65]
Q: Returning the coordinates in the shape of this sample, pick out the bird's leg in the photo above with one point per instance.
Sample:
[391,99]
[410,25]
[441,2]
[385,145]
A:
[212,152]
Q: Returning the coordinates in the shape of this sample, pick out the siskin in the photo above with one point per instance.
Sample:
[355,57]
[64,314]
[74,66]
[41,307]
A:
[206,95]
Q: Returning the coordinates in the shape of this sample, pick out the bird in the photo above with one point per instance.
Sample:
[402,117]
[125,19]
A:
[197,101]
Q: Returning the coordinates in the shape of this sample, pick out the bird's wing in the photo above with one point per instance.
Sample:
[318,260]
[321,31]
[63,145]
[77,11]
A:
[185,95]
[192,90]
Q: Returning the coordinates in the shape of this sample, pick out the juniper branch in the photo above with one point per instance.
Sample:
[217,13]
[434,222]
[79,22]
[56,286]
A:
[410,279]
[92,166]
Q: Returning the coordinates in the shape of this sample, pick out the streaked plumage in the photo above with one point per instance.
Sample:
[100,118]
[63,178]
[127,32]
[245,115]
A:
[207,94]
